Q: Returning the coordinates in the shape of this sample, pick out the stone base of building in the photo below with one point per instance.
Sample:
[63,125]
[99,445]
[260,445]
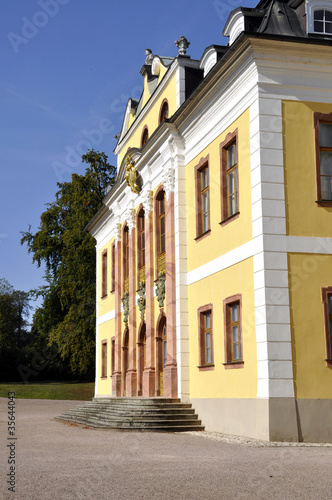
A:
[149,382]
[275,419]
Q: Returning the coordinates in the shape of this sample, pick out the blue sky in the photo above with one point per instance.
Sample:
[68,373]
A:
[68,68]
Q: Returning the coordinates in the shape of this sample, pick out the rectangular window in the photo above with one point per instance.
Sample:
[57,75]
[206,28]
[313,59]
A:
[126,252]
[229,178]
[125,260]
[162,226]
[160,236]
[104,274]
[141,246]
[323,139]
[327,304]
[205,338]
[142,238]
[323,21]
[205,198]
[233,333]
[104,359]
[113,355]
[202,198]
[232,181]
[113,268]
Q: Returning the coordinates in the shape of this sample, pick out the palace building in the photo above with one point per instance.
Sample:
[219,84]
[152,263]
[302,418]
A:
[214,246]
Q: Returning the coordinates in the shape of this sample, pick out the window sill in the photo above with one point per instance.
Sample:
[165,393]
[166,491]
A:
[103,378]
[229,219]
[103,297]
[112,291]
[329,363]
[206,368]
[234,365]
[203,235]
[324,203]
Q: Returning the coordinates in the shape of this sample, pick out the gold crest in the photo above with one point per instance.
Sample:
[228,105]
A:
[131,175]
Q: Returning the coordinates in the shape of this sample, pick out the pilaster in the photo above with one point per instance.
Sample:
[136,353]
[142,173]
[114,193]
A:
[149,372]
[131,378]
[272,313]
[170,371]
[117,376]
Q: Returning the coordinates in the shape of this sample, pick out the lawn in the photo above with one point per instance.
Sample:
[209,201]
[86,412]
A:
[49,390]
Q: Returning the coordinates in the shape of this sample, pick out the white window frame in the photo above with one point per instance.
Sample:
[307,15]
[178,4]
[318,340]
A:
[311,7]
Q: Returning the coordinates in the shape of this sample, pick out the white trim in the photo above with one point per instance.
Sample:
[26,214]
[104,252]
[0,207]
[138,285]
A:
[274,366]
[208,60]
[106,317]
[180,87]
[234,26]
[229,259]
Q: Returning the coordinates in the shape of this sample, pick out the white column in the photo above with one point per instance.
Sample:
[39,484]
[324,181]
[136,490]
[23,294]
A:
[272,313]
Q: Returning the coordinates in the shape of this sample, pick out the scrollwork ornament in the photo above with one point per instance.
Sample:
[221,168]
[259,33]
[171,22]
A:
[168,181]
[130,218]
[147,202]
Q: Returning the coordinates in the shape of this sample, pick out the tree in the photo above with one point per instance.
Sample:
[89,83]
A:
[14,328]
[67,315]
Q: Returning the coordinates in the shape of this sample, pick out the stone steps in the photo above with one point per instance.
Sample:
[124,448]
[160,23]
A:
[148,414]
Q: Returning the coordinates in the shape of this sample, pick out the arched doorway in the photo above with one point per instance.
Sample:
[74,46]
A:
[125,360]
[161,353]
[141,359]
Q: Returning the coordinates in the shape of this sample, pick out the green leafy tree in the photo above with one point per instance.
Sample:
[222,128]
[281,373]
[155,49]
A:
[14,328]
[67,315]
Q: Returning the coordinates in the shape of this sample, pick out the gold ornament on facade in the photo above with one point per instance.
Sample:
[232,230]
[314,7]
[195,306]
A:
[125,304]
[141,301]
[131,175]
[161,290]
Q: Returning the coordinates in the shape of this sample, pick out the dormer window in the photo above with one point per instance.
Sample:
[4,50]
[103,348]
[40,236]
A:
[319,16]
[323,21]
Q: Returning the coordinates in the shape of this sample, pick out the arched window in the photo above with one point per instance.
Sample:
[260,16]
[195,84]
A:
[145,136]
[323,21]
[141,245]
[163,115]
[160,231]
[126,258]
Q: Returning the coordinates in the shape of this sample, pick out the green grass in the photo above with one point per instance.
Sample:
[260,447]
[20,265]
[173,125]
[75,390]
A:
[49,390]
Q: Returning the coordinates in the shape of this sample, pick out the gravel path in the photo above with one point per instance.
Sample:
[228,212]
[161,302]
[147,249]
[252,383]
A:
[64,461]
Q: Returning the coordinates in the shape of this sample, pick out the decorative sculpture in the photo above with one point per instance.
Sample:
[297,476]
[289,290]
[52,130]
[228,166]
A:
[149,57]
[182,45]
[125,303]
[141,301]
[161,290]
[131,175]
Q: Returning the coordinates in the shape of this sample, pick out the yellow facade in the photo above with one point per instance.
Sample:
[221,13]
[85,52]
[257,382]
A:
[220,382]
[107,303]
[300,172]
[151,118]
[266,259]
[104,332]
[221,239]
[308,273]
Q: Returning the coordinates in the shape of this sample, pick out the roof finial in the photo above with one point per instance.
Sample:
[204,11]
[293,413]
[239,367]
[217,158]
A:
[149,56]
[182,44]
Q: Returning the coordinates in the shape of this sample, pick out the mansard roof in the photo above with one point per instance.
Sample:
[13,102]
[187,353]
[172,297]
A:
[272,17]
